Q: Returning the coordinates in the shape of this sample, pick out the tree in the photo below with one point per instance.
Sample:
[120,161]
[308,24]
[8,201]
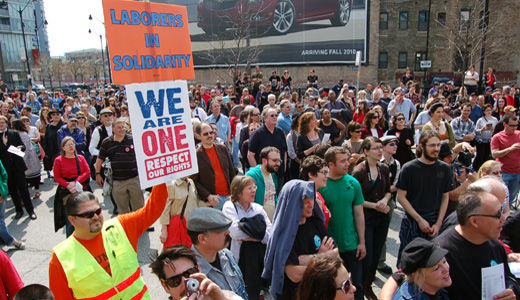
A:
[58,69]
[233,47]
[76,68]
[467,30]
[46,69]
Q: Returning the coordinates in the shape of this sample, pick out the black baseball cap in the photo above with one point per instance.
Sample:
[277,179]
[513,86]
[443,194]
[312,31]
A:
[420,253]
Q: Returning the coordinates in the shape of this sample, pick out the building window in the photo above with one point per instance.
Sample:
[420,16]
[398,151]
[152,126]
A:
[383,60]
[464,18]
[423,20]
[441,19]
[402,61]
[383,21]
[418,57]
[403,20]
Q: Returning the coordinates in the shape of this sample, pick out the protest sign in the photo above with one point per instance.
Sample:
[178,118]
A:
[163,135]
[148,42]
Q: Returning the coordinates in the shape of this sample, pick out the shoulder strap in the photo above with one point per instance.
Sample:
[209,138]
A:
[77,165]
[185,202]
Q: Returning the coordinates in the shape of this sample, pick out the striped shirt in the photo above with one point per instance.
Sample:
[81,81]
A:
[121,156]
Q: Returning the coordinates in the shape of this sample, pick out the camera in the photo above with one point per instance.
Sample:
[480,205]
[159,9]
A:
[192,287]
[465,159]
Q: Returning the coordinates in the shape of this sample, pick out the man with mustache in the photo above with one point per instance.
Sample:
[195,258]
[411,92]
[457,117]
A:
[422,189]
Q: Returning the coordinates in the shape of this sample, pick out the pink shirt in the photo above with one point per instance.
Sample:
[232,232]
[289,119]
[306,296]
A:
[511,161]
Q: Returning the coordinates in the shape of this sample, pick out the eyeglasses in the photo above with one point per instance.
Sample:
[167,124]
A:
[81,117]
[433,145]
[496,173]
[175,280]
[357,131]
[207,133]
[400,119]
[345,286]
[392,144]
[273,115]
[512,125]
[497,216]
[377,148]
[256,114]
[89,214]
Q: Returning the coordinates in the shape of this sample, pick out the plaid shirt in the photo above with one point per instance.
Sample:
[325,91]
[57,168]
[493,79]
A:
[461,128]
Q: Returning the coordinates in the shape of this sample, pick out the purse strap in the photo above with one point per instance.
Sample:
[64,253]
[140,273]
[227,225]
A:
[77,165]
[185,202]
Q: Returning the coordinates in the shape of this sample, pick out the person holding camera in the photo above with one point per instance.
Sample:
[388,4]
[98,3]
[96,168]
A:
[484,132]
[179,272]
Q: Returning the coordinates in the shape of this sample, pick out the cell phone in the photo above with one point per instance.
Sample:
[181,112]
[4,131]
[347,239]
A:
[489,124]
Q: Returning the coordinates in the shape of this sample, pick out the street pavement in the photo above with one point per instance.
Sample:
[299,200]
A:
[39,236]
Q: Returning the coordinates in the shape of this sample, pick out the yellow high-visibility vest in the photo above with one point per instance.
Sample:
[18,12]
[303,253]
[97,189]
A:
[86,277]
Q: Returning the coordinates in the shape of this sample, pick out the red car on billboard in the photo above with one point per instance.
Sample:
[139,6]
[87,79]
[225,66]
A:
[278,16]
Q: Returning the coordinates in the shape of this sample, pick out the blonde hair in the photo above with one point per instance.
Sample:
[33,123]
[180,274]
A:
[487,166]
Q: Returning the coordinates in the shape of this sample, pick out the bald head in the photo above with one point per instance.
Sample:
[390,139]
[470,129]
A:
[490,185]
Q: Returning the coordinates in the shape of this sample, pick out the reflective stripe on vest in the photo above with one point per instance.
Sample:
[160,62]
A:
[88,280]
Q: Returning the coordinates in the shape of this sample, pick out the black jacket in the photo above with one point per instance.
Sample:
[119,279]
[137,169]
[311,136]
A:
[9,160]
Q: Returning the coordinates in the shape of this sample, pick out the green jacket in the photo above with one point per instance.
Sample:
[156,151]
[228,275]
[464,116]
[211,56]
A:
[3,182]
[256,173]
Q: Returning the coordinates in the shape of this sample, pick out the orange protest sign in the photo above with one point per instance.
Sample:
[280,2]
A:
[147,42]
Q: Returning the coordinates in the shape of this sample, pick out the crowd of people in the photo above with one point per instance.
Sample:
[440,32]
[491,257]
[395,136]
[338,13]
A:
[295,195]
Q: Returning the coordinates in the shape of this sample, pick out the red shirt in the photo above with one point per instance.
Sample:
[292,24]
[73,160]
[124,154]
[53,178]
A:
[134,224]
[10,281]
[221,185]
[66,168]
[511,161]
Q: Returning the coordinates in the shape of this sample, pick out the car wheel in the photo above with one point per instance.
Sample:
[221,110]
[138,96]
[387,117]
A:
[342,15]
[283,18]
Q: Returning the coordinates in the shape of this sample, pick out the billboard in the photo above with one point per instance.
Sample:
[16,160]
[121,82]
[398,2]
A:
[277,32]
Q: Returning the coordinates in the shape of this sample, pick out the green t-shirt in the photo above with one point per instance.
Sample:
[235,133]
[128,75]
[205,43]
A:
[341,196]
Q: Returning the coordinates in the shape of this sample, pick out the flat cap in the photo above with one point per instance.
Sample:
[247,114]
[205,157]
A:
[420,253]
[388,138]
[208,219]
[106,111]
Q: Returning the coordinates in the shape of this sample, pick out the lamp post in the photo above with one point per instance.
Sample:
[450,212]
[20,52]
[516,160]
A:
[108,55]
[36,27]
[20,12]
[102,55]
[485,23]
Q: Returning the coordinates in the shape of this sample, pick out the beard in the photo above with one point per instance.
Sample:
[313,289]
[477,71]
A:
[271,169]
[429,157]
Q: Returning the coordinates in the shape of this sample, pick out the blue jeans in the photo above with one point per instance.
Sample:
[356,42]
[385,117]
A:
[511,180]
[234,154]
[5,236]
[221,200]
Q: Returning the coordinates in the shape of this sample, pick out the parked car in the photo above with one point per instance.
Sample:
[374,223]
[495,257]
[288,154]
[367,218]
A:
[215,16]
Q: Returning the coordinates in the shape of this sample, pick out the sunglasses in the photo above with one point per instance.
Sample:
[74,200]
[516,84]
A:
[392,144]
[357,131]
[345,286]
[207,133]
[399,119]
[89,214]
[498,215]
[175,280]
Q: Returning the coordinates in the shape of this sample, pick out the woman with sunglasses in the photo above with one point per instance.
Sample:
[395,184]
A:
[353,144]
[332,126]
[326,279]
[71,170]
[371,125]
[404,152]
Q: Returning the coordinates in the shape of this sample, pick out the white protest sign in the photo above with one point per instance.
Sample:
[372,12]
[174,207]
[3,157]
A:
[161,126]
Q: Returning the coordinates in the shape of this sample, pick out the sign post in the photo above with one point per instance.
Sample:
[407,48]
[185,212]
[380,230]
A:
[358,64]
[150,53]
